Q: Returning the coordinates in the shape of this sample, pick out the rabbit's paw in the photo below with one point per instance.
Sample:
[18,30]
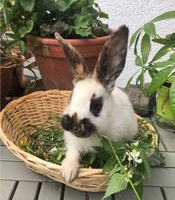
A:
[69,169]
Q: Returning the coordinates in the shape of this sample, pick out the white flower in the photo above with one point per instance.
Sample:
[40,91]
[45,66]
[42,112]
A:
[136,143]
[53,151]
[129,175]
[134,155]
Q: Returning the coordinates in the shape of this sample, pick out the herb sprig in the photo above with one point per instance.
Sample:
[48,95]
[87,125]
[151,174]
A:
[128,164]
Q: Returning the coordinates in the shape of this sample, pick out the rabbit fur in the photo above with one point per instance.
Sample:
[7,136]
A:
[96,105]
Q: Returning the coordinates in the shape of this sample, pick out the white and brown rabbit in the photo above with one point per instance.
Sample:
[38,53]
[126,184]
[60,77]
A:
[96,104]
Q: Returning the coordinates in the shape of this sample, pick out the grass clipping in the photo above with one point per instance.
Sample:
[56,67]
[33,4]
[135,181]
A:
[128,163]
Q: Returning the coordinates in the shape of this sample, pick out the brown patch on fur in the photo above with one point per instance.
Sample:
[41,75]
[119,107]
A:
[80,73]
[78,65]
[76,119]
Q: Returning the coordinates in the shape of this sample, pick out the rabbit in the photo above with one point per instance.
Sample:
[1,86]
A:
[97,105]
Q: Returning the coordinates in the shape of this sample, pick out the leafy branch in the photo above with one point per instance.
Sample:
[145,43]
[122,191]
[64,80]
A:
[157,66]
[124,178]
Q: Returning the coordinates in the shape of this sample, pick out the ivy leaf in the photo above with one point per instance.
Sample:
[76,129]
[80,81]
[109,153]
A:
[159,79]
[63,5]
[27,4]
[145,47]
[150,29]
[25,29]
[135,36]
[164,16]
[172,96]
[117,183]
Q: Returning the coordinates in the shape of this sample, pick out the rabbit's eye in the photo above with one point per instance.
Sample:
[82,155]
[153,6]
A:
[96,105]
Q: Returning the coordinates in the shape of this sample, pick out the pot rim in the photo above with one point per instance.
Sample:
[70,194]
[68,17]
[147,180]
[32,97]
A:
[83,41]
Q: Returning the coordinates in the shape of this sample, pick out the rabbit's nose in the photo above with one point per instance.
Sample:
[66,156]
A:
[67,122]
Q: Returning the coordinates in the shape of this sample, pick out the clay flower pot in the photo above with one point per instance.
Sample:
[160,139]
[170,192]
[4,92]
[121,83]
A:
[53,66]
[6,71]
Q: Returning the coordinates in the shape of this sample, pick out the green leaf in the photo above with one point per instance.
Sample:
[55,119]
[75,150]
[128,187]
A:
[145,48]
[135,36]
[138,61]
[108,166]
[163,64]
[64,5]
[159,79]
[23,30]
[164,16]
[146,163]
[27,4]
[129,81]
[137,181]
[106,146]
[163,41]
[172,57]
[22,46]
[117,183]
[162,52]
[139,189]
[172,96]
[140,82]
[103,15]
[5,14]
[150,29]
[12,44]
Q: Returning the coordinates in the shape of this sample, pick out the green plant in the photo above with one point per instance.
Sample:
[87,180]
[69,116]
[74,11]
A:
[71,18]
[128,164]
[159,63]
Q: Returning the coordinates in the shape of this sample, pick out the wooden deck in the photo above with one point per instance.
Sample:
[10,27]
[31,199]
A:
[17,182]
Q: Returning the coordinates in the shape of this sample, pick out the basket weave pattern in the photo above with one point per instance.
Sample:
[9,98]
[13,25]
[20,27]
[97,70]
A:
[39,108]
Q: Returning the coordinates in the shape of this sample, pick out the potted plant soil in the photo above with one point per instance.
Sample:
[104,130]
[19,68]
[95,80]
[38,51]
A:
[78,21]
[160,65]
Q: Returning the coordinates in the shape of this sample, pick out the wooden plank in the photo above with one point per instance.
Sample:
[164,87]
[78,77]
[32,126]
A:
[169,159]
[6,188]
[168,138]
[1,143]
[25,190]
[73,194]
[98,195]
[18,171]
[169,193]
[161,147]
[6,155]
[152,193]
[149,193]
[162,177]
[50,191]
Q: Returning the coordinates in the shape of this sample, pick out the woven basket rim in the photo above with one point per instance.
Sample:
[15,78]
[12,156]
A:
[31,160]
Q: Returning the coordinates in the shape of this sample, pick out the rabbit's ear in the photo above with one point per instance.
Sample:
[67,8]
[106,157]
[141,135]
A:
[111,60]
[79,68]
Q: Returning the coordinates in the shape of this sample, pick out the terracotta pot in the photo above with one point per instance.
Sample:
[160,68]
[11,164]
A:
[6,78]
[53,66]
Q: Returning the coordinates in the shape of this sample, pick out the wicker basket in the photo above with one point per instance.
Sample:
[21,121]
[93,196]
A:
[35,109]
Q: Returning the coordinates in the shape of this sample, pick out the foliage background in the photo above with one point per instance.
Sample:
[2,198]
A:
[134,14]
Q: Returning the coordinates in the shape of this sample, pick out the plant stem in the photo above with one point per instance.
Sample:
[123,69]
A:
[119,162]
